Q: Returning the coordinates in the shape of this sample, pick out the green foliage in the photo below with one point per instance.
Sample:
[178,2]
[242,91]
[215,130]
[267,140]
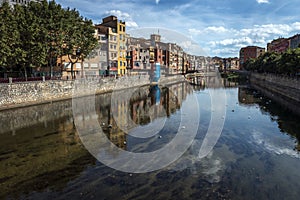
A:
[287,63]
[9,37]
[37,34]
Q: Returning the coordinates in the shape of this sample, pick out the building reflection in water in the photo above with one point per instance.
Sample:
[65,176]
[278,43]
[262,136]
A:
[203,82]
[126,110]
[40,147]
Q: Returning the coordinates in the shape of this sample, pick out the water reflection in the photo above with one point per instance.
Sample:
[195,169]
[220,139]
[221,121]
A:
[278,113]
[42,142]
[39,156]
[42,156]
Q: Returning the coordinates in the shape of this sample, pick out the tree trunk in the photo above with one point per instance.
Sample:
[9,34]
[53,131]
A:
[25,73]
[72,71]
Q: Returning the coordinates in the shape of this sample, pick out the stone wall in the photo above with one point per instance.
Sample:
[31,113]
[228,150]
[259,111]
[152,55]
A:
[41,110]
[284,90]
[15,95]
[30,93]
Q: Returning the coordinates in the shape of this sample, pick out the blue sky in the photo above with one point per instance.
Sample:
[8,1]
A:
[219,27]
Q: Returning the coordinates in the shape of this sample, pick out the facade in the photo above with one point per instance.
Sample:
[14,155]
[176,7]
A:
[109,58]
[249,52]
[294,41]
[116,44]
[279,45]
[234,63]
[113,51]
[96,63]
[66,64]
[143,53]
[122,65]
[230,64]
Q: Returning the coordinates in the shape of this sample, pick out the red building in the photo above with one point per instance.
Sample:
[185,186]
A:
[279,45]
[249,52]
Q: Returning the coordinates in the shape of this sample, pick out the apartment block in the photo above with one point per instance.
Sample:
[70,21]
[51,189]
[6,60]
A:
[279,45]
[116,44]
[249,52]
[294,41]
[97,62]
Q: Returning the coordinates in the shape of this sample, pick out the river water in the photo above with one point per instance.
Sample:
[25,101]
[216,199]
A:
[43,154]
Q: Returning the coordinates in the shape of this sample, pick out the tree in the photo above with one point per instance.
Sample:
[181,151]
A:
[51,15]
[9,38]
[37,34]
[79,38]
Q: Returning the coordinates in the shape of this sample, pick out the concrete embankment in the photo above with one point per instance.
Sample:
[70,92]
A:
[32,93]
[284,90]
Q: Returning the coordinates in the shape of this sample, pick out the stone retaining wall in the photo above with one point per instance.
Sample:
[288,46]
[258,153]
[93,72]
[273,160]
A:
[40,109]
[29,93]
[284,90]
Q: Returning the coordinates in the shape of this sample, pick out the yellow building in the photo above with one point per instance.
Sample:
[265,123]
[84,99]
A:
[117,43]
[122,48]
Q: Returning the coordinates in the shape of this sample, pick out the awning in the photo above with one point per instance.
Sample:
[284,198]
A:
[113,69]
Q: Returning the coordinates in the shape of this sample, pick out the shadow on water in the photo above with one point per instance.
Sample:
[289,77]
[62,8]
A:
[42,155]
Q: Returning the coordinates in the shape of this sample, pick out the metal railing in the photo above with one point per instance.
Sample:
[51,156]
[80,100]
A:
[28,79]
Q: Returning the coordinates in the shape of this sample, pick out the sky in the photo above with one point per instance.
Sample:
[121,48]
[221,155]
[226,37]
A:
[217,27]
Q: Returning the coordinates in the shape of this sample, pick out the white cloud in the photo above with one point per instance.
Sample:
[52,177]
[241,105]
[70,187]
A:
[267,30]
[224,51]
[296,26]
[192,48]
[123,16]
[217,29]
[262,1]
[271,144]
[233,41]
[209,30]
[195,31]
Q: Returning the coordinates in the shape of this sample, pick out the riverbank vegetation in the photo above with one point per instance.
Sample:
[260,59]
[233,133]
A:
[287,63]
[37,34]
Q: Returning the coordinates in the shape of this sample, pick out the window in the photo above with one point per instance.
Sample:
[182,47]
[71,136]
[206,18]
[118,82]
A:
[123,28]
[120,27]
